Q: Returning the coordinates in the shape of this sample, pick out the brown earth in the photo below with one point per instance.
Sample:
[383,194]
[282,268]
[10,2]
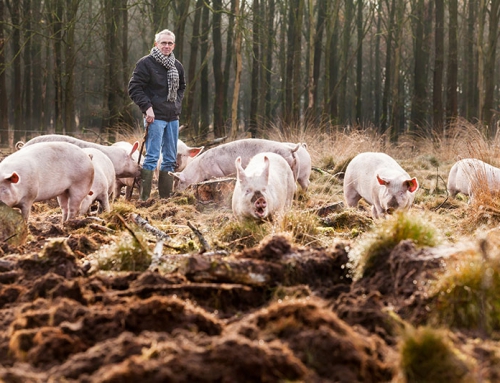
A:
[270,313]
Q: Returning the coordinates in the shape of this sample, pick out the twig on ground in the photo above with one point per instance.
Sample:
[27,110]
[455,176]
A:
[204,244]
[148,227]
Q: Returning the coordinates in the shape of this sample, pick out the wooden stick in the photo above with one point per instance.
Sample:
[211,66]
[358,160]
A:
[204,244]
[148,227]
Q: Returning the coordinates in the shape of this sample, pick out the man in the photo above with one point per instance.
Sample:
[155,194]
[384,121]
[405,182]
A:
[157,87]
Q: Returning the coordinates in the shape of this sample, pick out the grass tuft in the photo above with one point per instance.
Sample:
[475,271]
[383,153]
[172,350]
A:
[427,355]
[468,296]
[376,245]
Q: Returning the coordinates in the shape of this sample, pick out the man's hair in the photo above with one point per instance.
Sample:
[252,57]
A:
[164,32]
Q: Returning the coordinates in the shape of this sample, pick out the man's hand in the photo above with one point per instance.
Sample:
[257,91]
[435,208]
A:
[150,115]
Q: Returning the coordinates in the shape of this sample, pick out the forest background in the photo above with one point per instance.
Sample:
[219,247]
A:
[395,66]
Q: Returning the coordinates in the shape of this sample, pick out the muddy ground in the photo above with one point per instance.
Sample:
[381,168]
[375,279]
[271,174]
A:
[275,312]
[278,310]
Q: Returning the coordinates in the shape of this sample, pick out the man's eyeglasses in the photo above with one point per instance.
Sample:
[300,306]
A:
[167,43]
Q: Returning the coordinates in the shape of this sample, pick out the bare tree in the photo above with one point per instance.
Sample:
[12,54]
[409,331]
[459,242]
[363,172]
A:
[452,71]
[255,75]
[489,66]
[437,94]
[237,77]
[204,83]
[4,116]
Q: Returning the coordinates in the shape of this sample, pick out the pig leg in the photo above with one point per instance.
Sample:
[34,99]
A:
[62,199]
[76,195]
[352,197]
[104,201]
[84,207]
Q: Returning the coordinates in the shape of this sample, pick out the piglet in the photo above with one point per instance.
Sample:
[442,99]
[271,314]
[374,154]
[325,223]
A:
[265,188]
[381,181]
[470,173]
[104,181]
[44,171]
[124,164]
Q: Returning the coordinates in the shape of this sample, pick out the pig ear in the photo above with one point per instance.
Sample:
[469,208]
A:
[194,152]
[134,147]
[412,185]
[13,178]
[265,173]
[175,175]
[240,172]
[381,181]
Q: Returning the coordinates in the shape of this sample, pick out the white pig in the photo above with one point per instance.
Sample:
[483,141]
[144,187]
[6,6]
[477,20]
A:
[381,181]
[185,154]
[104,181]
[44,171]
[128,182]
[122,160]
[265,188]
[219,161]
[468,174]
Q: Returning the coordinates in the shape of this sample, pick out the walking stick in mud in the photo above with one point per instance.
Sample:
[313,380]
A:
[146,126]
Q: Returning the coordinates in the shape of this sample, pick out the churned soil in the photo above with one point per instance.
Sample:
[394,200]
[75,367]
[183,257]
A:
[270,313]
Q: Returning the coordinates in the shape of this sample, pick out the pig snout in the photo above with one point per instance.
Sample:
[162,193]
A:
[260,207]
[260,204]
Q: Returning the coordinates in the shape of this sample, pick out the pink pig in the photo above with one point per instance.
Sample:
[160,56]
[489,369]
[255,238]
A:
[381,181]
[124,164]
[219,161]
[44,171]
[265,188]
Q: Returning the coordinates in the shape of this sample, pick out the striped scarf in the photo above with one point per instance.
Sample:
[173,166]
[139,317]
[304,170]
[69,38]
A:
[172,74]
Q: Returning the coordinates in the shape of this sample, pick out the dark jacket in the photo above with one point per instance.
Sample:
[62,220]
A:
[148,87]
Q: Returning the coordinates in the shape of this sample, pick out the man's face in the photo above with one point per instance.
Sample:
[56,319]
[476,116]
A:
[166,44]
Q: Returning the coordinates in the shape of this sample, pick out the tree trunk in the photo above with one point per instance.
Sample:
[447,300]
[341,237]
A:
[70,64]
[193,58]
[229,59]
[378,72]
[452,72]
[254,77]
[17,101]
[437,97]
[489,66]
[294,57]
[359,63]
[388,68]
[346,67]
[269,49]
[219,123]
[397,95]
[204,84]
[318,50]
[470,97]
[419,101]
[27,108]
[4,115]
[237,71]
[112,75]
[182,7]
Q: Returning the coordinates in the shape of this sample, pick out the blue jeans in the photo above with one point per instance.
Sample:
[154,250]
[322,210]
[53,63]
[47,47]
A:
[162,138]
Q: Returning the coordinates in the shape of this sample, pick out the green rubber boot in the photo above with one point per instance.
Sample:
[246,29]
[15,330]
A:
[146,180]
[165,184]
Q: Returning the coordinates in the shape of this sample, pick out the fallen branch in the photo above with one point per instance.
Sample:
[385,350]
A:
[204,244]
[150,228]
